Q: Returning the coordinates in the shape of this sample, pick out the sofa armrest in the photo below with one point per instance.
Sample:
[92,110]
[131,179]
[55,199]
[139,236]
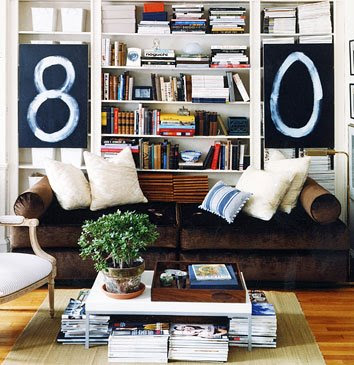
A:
[34,202]
[322,206]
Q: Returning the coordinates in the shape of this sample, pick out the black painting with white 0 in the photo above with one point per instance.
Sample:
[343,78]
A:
[299,95]
[53,95]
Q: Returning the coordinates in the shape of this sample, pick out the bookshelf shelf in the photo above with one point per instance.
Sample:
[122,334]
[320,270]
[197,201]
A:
[293,34]
[169,102]
[192,170]
[173,137]
[191,69]
[174,35]
[29,32]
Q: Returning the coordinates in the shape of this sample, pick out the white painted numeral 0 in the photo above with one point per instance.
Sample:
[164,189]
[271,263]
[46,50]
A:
[62,94]
[317,98]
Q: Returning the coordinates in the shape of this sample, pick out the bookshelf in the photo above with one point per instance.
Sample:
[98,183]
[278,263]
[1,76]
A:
[19,19]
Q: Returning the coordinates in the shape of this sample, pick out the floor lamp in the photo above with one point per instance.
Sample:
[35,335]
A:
[331,152]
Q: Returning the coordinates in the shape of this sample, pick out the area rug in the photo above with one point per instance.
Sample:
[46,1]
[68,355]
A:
[36,345]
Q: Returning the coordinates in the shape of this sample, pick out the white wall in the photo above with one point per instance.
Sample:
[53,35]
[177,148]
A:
[3,111]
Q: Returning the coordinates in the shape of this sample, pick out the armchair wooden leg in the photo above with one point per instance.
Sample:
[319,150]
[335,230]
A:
[51,297]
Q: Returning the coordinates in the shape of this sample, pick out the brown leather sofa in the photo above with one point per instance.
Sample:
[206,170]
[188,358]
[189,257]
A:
[309,245]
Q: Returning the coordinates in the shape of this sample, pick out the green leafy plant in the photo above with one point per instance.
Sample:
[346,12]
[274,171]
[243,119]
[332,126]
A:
[116,239]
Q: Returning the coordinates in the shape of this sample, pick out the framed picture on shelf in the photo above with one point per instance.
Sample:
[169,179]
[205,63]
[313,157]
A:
[351,57]
[351,95]
[142,93]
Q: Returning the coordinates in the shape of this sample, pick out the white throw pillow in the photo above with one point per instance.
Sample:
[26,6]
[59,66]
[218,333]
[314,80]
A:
[274,154]
[300,168]
[267,188]
[113,182]
[69,185]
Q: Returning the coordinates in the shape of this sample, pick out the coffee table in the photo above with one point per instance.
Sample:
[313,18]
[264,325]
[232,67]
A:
[99,303]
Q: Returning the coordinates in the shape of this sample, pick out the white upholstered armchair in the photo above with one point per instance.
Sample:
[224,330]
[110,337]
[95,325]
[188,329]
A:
[21,273]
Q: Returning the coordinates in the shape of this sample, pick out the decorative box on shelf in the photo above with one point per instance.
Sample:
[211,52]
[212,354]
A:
[174,294]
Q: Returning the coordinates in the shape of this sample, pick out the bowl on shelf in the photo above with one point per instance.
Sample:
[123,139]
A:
[190,156]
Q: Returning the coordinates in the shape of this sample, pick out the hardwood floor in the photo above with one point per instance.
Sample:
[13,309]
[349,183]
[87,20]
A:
[330,314]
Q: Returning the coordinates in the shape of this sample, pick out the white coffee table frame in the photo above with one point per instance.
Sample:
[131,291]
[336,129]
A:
[100,304]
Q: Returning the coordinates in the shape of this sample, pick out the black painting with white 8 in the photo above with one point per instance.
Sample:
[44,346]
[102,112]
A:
[53,95]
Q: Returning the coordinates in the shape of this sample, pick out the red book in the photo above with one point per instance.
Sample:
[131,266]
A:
[115,124]
[214,162]
[154,7]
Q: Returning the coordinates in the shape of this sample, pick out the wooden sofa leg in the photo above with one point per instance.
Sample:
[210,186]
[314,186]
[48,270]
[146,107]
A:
[51,297]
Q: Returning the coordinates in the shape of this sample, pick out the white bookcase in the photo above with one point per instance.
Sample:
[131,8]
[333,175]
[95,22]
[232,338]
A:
[19,15]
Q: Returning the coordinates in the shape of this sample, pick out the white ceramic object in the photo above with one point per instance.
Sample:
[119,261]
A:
[40,154]
[73,19]
[44,19]
[72,155]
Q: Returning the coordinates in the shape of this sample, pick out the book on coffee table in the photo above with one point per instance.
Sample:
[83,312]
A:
[231,283]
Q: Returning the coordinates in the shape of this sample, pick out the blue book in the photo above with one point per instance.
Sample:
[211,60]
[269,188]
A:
[159,16]
[213,284]
[263,309]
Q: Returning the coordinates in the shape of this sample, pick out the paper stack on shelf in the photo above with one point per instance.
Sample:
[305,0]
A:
[157,58]
[278,40]
[316,39]
[118,19]
[209,89]
[227,19]
[279,20]
[315,18]
[186,60]
[154,19]
[188,18]
[198,342]
[138,342]
[229,56]
[264,324]
[73,322]
[322,172]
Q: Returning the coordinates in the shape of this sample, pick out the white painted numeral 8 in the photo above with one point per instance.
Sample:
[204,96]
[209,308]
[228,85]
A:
[62,94]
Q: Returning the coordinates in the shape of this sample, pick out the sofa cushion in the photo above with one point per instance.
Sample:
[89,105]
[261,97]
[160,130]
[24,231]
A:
[69,184]
[202,230]
[113,182]
[34,202]
[160,213]
[322,206]
[67,236]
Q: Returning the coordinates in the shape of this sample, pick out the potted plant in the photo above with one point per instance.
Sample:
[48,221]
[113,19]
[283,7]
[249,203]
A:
[114,242]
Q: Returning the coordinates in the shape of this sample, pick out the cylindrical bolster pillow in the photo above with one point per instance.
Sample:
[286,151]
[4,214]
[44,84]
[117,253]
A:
[322,206]
[34,202]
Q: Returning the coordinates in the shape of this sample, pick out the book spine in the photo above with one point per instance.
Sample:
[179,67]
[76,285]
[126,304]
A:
[214,163]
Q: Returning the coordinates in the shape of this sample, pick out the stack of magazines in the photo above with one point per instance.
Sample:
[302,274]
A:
[227,20]
[198,342]
[279,20]
[73,323]
[188,18]
[138,342]
[264,324]
[315,18]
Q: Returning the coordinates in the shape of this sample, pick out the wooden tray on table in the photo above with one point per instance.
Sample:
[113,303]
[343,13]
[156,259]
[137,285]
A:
[173,294]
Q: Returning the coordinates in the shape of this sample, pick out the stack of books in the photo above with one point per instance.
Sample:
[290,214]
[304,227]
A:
[198,342]
[176,125]
[111,146]
[229,56]
[116,87]
[188,18]
[186,60]
[226,155]
[227,19]
[278,40]
[264,325]
[159,58]
[159,156]
[73,323]
[212,276]
[315,18]
[138,342]
[118,19]
[154,19]
[113,53]
[206,123]
[209,89]
[172,88]
[279,20]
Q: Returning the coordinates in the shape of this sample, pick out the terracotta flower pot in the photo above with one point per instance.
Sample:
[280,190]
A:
[126,280]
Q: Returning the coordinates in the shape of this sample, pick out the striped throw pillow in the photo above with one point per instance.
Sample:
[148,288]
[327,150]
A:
[225,201]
